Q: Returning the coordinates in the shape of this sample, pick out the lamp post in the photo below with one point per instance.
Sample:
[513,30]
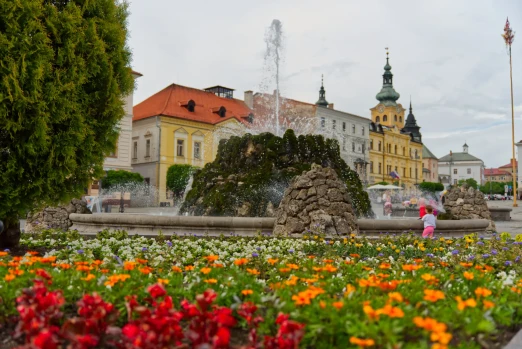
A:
[509,37]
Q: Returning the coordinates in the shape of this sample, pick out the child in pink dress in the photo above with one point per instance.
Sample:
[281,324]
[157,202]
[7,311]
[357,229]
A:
[430,222]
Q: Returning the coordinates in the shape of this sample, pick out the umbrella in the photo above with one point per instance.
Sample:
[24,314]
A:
[389,186]
[377,187]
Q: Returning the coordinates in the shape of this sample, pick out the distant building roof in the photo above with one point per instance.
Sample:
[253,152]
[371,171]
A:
[426,153]
[510,165]
[136,73]
[459,157]
[495,172]
[176,101]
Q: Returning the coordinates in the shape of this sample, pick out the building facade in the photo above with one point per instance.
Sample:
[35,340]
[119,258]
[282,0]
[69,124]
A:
[351,131]
[456,166]
[430,164]
[395,143]
[497,175]
[183,125]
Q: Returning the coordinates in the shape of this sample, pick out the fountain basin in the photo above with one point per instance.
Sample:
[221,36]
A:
[149,225]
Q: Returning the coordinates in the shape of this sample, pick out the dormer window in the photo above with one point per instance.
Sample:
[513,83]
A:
[250,118]
[191,105]
[221,111]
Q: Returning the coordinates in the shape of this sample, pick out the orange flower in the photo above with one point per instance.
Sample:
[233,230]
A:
[272,261]
[430,279]
[311,257]
[89,277]
[441,337]
[104,271]
[113,279]
[385,266]
[338,305]
[305,296]
[329,268]
[395,296]
[176,269]
[429,324]
[355,255]
[367,268]
[293,266]
[482,292]
[362,342]
[293,281]
[217,265]
[349,290]
[241,261]
[253,271]
[163,281]
[212,258]
[439,346]
[327,261]
[146,270]
[393,312]
[284,270]
[488,304]
[129,265]
[211,281]
[9,277]
[466,265]
[64,266]
[83,268]
[3,253]
[468,275]
[322,304]
[189,268]
[205,270]
[141,261]
[470,303]
[33,253]
[411,267]
[372,313]
[433,295]
[246,292]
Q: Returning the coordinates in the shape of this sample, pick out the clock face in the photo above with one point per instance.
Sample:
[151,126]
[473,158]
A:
[380,109]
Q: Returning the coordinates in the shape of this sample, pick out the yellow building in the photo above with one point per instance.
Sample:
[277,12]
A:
[395,142]
[183,125]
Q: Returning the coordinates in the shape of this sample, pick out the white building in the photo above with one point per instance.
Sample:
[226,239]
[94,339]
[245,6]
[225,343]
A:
[456,166]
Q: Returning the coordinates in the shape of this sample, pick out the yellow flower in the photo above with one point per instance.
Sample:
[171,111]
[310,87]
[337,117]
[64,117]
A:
[397,250]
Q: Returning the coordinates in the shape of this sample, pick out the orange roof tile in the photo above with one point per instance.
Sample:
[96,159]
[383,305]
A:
[172,101]
[495,172]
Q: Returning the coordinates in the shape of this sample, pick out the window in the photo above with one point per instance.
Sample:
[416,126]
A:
[416,173]
[404,171]
[454,171]
[364,148]
[344,143]
[353,129]
[191,105]
[377,119]
[353,146]
[400,118]
[323,122]
[334,123]
[403,150]
[455,182]
[384,118]
[344,126]
[410,152]
[380,168]
[135,150]
[379,146]
[410,172]
[416,154]
[395,118]
[147,149]
[469,170]
[371,144]
[371,166]
[180,147]
[396,149]
[147,181]
[197,150]
[362,130]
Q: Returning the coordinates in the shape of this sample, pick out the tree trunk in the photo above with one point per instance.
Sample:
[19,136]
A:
[9,233]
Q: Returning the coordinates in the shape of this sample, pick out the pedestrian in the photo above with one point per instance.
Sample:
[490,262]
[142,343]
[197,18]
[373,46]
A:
[430,222]
[422,207]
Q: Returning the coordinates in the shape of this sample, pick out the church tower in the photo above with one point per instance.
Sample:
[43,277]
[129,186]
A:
[412,127]
[322,96]
[388,112]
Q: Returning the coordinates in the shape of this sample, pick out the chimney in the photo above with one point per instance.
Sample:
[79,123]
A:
[330,106]
[249,99]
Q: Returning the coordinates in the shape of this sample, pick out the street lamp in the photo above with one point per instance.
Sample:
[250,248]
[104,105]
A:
[509,37]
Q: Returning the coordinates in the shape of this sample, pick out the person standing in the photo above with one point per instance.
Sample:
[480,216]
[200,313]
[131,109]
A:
[430,223]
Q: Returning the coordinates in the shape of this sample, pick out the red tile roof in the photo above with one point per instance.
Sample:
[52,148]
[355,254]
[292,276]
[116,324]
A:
[172,101]
[495,172]
[510,165]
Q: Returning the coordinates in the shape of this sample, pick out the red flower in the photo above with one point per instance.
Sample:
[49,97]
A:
[222,338]
[130,331]
[46,339]
[156,290]
[44,274]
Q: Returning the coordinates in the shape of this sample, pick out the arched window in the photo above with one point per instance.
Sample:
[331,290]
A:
[384,118]
[416,155]
[400,118]
[222,112]
[395,149]
[379,146]
[191,105]
[395,118]
[371,144]
[377,118]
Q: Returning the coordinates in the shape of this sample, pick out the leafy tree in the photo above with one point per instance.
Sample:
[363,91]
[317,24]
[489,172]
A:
[495,188]
[470,182]
[178,177]
[64,68]
[431,186]
[117,179]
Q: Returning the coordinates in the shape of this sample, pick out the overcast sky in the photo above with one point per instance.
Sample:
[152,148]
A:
[448,55]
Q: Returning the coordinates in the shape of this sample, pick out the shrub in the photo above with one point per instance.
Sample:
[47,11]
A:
[178,177]
[115,179]
[431,186]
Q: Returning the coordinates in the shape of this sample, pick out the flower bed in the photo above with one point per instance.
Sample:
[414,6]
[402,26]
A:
[395,292]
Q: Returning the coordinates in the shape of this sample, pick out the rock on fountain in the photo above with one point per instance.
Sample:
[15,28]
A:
[56,217]
[317,199]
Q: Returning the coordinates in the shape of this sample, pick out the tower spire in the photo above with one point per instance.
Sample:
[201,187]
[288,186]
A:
[322,95]
[388,96]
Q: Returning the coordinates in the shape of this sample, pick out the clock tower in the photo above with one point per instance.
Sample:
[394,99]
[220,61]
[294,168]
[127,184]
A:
[388,112]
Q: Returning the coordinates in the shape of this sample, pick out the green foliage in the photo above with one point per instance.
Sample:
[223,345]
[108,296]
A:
[382,183]
[494,187]
[470,182]
[65,70]
[178,177]
[263,165]
[431,187]
[114,179]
